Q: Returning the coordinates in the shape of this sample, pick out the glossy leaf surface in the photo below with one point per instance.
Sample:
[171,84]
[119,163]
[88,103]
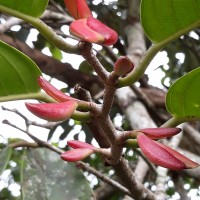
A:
[18,74]
[162,19]
[34,8]
[183,97]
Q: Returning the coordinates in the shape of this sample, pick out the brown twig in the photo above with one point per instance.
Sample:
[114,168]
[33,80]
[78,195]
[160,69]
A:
[80,164]
[24,143]
[40,143]
[102,118]
[105,125]
[87,53]
[48,125]
[108,180]
[109,93]
[57,6]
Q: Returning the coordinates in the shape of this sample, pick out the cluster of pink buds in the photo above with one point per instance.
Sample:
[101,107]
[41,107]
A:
[87,27]
[156,152]
[161,154]
[80,151]
[61,110]
[65,106]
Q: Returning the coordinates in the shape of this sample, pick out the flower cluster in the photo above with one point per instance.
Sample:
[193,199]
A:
[86,26]
[161,154]
[65,106]
[92,30]
[156,152]
[61,110]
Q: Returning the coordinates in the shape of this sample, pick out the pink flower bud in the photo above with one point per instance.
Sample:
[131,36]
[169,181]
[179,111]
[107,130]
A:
[189,163]
[94,31]
[53,92]
[80,29]
[123,66]
[76,154]
[158,133]
[53,111]
[80,145]
[78,8]
[164,156]
[110,36]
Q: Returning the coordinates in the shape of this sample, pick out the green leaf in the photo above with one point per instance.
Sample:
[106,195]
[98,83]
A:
[5,155]
[18,74]
[46,177]
[183,97]
[34,8]
[164,18]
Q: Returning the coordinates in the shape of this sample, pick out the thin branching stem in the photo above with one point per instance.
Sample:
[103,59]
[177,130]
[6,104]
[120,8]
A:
[40,143]
[45,30]
[88,54]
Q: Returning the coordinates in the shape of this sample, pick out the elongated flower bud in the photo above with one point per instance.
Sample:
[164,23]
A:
[158,133]
[78,8]
[164,156]
[110,36]
[189,163]
[94,31]
[80,145]
[123,66]
[80,29]
[53,111]
[76,154]
[53,92]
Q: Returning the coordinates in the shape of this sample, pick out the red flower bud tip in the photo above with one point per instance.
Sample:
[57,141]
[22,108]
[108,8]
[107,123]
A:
[80,29]
[78,8]
[76,154]
[53,111]
[109,34]
[164,156]
[94,31]
[80,145]
[53,92]
[123,66]
[189,163]
[158,133]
